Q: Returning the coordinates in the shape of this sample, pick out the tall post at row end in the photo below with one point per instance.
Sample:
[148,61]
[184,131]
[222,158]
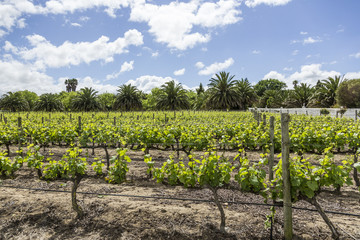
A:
[285,152]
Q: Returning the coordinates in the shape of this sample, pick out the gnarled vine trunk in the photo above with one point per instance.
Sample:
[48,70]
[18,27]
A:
[75,205]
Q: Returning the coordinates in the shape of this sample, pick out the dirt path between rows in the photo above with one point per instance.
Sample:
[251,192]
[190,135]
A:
[30,214]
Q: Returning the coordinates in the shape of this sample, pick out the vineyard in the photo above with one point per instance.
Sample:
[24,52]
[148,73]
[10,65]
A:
[178,175]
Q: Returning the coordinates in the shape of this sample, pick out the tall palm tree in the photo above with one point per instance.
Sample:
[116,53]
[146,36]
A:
[274,98]
[200,90]
[14,102]
[49,102]
[246,93]
[327,92]
[222,92]
[86,100]
[128,98]
[172,97]
[71,84]
[301,95]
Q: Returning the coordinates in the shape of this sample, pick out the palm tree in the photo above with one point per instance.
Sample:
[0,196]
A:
[246,93]
[301,95]
[172,97]
[86,100]
[128,98]
[274,98]
[200,90]
[295,83]
[222,92]
[327,91]
[49,102]
[71,84]
[14,102]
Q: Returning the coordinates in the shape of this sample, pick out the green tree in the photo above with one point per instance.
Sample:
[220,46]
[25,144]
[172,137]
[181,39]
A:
[149,103]
[269,84]
[246,93]
[106,100]
[192,97]
[222,92]
[71,84]
[30,97]
[49,102]
[128,98]
[14,102]
[86,100]
[67,98]
[172,97]
[348,93]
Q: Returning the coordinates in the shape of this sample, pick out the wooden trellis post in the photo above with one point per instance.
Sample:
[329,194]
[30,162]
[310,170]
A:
[285,152]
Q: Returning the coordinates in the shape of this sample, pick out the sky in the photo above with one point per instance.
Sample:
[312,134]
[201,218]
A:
[107,43]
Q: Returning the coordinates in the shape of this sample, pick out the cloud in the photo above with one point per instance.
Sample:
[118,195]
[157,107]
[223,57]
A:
[309,74]
[155,54]
[256,52]
[70,6]
[295,52]
[179,72]
[173,24]
[95,84]
[352,75]
[11,12]
[148,82]
[216,67]
[308,40]
[303,33]
[44,54]
[24,77]
[355,55]
[311,40]
[254,3]
[199,65]
[125,67]
[76,24]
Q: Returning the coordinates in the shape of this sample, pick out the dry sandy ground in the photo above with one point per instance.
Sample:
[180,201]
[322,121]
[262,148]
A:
[30,214]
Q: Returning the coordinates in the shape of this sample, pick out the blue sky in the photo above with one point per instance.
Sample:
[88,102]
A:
[107,43]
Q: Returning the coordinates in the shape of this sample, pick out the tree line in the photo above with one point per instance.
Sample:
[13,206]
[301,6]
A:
[223,93]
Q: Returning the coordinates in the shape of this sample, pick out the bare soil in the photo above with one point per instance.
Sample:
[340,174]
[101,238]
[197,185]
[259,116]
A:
[33,214]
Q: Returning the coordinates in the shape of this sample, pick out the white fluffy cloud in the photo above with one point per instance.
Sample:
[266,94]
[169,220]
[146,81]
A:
[44,54]
[254,3]
[309,74]
[311,40]
[11,11]
[25,77]
[179,72]
[64,6]
[216,67]
[173,23]
[352,75]
[95,84]
[17,76]
[148,82]
[125,67]
[199,65]
[355,55]
[308,40]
